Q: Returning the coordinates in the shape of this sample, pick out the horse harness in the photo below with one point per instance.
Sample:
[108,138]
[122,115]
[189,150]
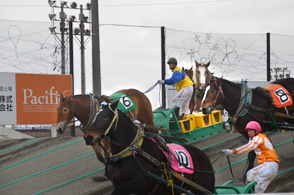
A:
[198,92]
[94,107]
[135,148]
[246,103]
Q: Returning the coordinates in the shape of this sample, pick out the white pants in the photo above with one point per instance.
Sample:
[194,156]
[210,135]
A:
[182,100]
[263,174]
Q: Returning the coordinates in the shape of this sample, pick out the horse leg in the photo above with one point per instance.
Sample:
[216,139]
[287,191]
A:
[191,106]
[197,103]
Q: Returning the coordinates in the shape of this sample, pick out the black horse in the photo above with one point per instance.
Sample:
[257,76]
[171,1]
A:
[250,105]
[258,107]
[135,156]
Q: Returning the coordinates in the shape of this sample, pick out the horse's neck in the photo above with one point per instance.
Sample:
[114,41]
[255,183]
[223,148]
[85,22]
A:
[123,135]
[232,93]
[103,98]
[209,76]
[82,110]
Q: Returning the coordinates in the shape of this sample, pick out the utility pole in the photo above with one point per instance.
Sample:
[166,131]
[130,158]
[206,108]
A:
[162,32]
[77,31]
[268,56]
[83,84]
[96,49]
[62,29]
[71,67]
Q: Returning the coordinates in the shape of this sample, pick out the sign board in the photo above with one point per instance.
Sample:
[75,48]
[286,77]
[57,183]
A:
[31,98]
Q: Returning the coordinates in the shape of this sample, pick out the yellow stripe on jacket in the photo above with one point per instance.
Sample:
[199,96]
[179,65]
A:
[262,147]
[183,82]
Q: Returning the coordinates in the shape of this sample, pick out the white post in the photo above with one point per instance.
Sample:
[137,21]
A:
[53,131]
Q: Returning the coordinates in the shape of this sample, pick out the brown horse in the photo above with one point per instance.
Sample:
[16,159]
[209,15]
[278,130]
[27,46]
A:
[189,72]
[137,158]
[84,106]
[261,108]
[201,77]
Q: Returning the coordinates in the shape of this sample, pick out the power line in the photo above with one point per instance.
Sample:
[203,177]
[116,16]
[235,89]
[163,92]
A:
[142,4]
[180,3]
[24,6]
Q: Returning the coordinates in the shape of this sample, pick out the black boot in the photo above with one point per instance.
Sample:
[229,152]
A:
[177,112]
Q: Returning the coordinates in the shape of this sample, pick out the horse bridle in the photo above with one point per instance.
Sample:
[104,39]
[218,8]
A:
[115,118]
[71,114]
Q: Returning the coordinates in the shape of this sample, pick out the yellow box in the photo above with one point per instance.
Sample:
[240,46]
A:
[216,116]
[202,120]
[192,123]
[185,125]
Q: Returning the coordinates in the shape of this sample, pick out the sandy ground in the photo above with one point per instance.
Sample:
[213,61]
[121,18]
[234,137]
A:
[66,165]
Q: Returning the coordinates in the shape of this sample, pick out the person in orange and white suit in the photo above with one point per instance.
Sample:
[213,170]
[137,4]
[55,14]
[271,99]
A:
[268,159]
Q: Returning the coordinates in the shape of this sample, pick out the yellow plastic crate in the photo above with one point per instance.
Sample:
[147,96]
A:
[216,117]
[184,124]
[189,123]
[202,120]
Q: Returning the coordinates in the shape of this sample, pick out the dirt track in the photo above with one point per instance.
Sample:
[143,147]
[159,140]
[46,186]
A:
[64,165]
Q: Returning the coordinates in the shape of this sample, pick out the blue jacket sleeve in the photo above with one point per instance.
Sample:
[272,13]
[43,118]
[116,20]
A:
[176,77]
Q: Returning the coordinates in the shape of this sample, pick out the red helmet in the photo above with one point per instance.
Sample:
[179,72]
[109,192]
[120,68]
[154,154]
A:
[253,125]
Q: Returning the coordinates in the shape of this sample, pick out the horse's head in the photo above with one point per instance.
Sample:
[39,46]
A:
[64,113]
[104,122]
[213,96]
[202,75]
[189,72]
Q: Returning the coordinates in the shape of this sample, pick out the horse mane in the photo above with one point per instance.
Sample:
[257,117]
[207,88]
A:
[227,81]
[63,99]
[108,99]
[125,117]
[194,79]
[81,96]
[209,75]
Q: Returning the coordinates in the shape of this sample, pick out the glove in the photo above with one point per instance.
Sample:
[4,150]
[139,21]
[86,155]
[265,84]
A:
[161,81]
[228,152]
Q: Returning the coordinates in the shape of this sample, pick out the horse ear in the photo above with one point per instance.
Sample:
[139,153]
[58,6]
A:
[219,81]
[191,68]
[70,98]
[114,105]
[197,64]
[207,64]
[61,98]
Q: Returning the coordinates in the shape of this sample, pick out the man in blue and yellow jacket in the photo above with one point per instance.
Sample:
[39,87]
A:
[184,86]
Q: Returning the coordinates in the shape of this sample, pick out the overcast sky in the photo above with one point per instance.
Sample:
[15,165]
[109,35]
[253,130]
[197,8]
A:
[136,51]
[218,16]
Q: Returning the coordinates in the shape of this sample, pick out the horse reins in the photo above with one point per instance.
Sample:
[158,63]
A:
[115,118]
[147,91]
[94,101]
[135,148]
[72,112]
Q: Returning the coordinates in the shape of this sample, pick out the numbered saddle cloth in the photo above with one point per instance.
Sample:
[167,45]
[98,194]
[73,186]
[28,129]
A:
[280,95]
[126,103]
[181,159]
